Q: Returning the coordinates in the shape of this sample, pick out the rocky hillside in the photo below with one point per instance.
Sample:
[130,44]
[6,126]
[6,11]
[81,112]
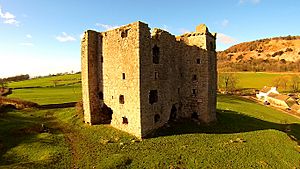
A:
[262,55]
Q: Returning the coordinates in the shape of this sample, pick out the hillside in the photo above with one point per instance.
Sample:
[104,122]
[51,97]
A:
[274,54]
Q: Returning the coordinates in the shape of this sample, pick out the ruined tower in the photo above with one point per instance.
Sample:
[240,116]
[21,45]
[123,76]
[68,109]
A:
[147,79]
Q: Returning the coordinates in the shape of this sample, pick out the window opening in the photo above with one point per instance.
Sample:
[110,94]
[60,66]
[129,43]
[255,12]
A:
[194,115]
[125,120]
[155,75]
[194,77]
[155,53]
[100,94]
[194,91]
[156,118]
[121,99]
[124,33]
[153,96]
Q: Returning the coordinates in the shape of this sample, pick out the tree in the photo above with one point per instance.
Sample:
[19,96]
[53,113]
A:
[227,81]
[284,82]
[2,83]
[295,80]
[281,81]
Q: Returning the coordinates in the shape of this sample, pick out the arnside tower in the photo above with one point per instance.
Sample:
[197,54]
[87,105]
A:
[138,80]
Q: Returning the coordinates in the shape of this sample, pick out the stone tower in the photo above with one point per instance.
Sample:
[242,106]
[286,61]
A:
[141,80]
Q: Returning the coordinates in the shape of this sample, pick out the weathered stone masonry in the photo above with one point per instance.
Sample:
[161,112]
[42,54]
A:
[147,79]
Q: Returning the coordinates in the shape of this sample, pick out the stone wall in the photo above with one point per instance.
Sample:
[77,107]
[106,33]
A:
[121,76]
[180,72]
[90,74]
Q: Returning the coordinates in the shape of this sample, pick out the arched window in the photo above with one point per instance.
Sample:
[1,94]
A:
[155,53]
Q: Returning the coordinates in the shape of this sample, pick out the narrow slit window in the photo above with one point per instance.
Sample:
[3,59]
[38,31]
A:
[155,75]
[212,48]
[198,61]
[194,91]
[155,53]
[121,99]
[100,94]
[123,76]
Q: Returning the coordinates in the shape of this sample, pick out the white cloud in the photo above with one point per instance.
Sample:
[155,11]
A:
[225,23]
[27,44]
[106,27]
[225,39]
[8,18]
[250,1]
[65,37]
[28,36]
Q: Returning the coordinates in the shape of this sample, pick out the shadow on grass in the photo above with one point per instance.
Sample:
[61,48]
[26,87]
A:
[228,122]
[16,129]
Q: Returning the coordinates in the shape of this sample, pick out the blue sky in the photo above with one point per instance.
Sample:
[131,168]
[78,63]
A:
[39,37]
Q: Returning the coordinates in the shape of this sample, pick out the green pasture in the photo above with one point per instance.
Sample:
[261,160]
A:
[246,135]
[47,81]
[49,95]
[24,144]
[258,80]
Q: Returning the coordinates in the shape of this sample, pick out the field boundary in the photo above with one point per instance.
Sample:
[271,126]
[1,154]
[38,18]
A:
[56,106]
[271,106]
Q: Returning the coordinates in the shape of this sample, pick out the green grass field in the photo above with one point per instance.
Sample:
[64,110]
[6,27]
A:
[49,95]
[64,92]
[47,81]
[67,89]
[258,80]
[247,135]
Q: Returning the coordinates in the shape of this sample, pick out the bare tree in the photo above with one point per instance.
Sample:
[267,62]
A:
[227,81]
[276,82]
[284,82]
[295,80]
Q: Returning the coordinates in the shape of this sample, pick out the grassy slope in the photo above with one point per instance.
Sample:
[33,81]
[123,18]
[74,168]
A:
[64,92]
[192,146]
[54,95]
[47,81]
[185,146]
[23,145]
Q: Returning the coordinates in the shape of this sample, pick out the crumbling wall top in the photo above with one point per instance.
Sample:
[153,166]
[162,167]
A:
[202,28]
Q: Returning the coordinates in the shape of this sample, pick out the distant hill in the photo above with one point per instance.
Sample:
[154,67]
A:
[273,54]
